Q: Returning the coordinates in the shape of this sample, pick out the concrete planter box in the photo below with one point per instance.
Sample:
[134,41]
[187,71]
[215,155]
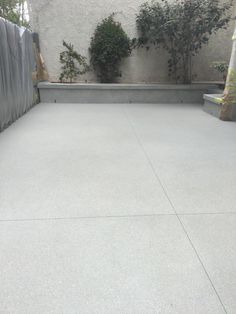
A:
[123,93]
[213,104]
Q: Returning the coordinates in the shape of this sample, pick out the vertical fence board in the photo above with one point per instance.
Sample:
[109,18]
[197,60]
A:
[17,62]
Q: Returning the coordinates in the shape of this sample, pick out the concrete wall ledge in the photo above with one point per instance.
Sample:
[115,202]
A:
[123,93]
[213,104]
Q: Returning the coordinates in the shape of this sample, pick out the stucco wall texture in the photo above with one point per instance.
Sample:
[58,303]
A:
[75,22]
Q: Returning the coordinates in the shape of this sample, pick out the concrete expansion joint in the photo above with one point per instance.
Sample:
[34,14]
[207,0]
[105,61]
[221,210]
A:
[175,211]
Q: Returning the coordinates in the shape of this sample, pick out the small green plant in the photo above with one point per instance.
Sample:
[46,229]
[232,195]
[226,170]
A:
[73,64]
[109,45]
[181,27]
[222,67]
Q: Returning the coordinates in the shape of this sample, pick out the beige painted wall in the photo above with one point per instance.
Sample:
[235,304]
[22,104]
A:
[75,21]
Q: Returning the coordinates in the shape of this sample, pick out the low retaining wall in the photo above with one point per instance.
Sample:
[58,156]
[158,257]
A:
[213,105]
[123,93]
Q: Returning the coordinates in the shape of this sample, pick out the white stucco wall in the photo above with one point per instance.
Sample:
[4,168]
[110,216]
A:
[76,20]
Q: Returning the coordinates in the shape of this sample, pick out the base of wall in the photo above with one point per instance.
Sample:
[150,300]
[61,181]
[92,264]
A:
[123,93]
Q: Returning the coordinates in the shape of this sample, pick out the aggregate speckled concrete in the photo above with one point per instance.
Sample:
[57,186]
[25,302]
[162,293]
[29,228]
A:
[114,208]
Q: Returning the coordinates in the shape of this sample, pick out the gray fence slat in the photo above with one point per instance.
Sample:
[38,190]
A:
[17,62]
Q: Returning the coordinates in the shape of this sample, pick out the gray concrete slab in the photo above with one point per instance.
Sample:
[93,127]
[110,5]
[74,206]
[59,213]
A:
[114,265]
[89,202]
[193,154]
[214,237]
[75,160]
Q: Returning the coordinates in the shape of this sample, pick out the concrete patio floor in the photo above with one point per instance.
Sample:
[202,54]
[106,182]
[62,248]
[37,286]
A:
[118,209]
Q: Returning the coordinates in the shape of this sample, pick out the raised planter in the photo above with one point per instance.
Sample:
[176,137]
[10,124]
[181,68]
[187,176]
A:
[213,104]
[123,93]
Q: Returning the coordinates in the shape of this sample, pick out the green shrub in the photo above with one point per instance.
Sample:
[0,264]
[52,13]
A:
[14,11]
[222,67]
[181,27]
[109,45]
[73,64]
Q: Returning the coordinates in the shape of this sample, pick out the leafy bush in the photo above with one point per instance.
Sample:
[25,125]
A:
[14,11]
[108,46]
[73,64]
[181,27]
[222,67]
